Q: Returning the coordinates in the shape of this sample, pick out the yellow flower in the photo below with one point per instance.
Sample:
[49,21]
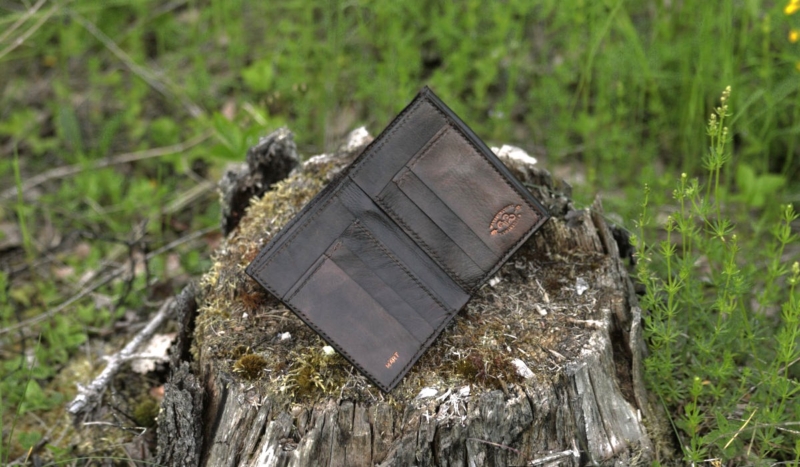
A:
[792,7]
[797,65]
[794,36]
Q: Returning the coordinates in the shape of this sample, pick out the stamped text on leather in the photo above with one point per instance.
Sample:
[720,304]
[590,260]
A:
[506,219]
[392,359]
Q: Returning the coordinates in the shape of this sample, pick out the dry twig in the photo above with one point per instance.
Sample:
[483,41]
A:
[22,38]
[140,71]
[89,396]
[65,171]
[101,282]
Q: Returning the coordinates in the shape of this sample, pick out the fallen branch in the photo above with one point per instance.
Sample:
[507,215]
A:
[168,90]
[65,171]
[89,396]
[19,22]
[24,36]
[101,282]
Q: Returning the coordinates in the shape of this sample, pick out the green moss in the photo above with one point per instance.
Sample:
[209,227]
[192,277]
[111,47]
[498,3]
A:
[485,367]
[315,373]
[250,366]
[146,412]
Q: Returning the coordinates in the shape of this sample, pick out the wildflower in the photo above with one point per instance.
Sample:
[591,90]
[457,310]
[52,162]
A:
[794,36]
[792,7]
[793,281]
[797,65]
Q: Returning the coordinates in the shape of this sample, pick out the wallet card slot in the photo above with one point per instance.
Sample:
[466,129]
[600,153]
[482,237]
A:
[351,320]
[430,237]
[442,286]
[372,282]
[474,189]
[450,224]
[383,265]
[320,201]
[287,263]
[402,139]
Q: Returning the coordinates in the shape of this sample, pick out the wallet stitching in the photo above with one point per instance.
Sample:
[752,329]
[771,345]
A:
[336,344]
[477,150]
[324,334]
[309,276]
[403,179]
[464,137]
[399,123]
[423,345]
[397,218]
[402,120]
[402,267]
[427,147]
[328,338]
[290,240]
[333,342]
[513,189]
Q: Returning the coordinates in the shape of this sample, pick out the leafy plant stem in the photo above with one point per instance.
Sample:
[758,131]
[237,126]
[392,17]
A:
[22,219]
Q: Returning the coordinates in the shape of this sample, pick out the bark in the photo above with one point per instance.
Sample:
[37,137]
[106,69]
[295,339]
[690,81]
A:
[566,294]
[269,161]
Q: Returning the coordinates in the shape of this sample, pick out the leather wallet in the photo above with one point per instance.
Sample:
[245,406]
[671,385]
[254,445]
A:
[384,257]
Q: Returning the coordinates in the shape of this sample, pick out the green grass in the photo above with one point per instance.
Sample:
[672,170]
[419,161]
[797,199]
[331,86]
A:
[618,92]
[724,319]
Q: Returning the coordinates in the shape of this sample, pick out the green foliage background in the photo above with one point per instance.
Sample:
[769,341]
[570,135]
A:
[614,94]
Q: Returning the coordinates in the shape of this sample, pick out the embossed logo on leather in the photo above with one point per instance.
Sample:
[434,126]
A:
[505,220]
[392,359]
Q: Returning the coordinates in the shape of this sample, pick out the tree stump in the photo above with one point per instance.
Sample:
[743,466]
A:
[542,367]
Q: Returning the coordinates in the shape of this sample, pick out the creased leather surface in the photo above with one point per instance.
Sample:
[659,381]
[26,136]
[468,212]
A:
[386,255]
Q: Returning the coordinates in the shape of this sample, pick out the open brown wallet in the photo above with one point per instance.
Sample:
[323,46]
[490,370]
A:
[387,254]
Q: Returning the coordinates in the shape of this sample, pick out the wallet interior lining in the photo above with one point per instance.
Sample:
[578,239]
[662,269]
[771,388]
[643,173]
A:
[445,289]
[451,224]
[385,275]
[429,236]
[380,335]
[449,167]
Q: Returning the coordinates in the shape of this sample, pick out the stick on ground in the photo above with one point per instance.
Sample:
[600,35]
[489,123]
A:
[89,396]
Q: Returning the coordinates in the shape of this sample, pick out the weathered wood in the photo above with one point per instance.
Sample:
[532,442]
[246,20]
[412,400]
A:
[563,307]
[179,422]
[180,439]
[269,161]
[90,396]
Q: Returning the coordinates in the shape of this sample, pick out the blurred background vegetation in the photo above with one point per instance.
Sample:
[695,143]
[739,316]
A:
[140,104]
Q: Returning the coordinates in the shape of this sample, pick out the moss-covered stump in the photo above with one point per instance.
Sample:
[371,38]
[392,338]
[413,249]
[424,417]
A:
[542,367]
